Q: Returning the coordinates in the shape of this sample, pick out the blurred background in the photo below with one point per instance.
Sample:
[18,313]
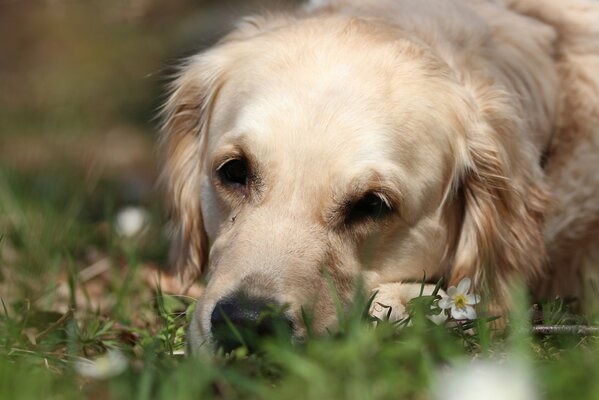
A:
[81,82]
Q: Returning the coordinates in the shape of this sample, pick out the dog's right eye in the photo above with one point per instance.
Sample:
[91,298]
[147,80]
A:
[370,206]
[234,172]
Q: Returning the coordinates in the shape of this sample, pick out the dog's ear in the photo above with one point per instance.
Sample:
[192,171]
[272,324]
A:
[184,124]
[185,119]
[504,200]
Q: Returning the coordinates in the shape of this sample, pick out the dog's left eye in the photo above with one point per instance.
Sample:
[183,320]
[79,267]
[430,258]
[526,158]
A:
[371,205]
[234,172]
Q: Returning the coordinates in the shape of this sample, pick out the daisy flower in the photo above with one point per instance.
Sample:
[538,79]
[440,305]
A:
[459,301]
[132,221]
[110,364]
[489,379]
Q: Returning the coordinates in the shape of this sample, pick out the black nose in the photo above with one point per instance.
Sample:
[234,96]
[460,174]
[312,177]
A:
[240,320]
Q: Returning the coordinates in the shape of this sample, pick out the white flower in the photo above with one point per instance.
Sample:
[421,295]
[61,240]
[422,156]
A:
[110,364]
[131,221]
[460,302]
[486,379]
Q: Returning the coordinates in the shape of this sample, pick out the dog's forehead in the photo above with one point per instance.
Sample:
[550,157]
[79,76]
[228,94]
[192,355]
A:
[303,113]
[333,114]
[316,138]
[328,120]
[327,92]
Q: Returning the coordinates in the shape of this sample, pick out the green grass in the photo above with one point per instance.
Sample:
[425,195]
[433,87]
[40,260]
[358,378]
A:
[50,320]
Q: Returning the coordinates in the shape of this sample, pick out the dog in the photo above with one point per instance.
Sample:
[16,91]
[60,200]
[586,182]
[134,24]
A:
[380,142]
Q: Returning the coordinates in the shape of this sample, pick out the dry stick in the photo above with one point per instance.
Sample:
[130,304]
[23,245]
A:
[97,268]
[582,330]
[54,325]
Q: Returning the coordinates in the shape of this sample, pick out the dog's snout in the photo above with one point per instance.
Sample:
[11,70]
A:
[239,320]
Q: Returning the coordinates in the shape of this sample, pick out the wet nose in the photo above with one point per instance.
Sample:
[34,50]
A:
[240,320]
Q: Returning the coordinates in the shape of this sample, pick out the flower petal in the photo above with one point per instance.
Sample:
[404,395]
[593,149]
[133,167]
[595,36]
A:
[458,313]
[451,291]
[470,312]
[464,286]
[445,303]
[472,299]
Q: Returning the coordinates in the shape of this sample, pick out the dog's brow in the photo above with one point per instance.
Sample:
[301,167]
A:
[382,185]
[229,152]
[373,182]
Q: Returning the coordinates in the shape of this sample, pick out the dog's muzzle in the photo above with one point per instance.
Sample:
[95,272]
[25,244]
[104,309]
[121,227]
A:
[239,320]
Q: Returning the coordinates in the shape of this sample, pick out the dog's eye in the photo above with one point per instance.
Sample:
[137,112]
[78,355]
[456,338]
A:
[371,205]
[234,172]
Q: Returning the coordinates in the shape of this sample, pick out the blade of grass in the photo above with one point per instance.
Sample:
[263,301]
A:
[336,298]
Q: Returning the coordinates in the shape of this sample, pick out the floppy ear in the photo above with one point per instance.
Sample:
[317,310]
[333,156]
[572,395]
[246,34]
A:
[185,120]
[504,200]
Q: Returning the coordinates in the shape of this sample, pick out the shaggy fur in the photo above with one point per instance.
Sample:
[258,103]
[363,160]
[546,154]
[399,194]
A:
[476,122]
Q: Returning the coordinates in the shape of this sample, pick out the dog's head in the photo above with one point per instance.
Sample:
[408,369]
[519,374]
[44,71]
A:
[300,153]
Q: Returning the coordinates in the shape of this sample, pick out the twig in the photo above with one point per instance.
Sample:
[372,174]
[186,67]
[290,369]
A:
[54,325]
[581,330]
[97,268]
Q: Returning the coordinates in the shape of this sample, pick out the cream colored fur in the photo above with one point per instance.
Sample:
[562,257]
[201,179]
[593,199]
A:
[477,121]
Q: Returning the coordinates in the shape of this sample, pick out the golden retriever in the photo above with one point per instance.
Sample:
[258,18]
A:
[382,140]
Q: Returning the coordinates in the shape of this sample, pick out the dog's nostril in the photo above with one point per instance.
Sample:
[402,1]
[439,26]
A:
[239,320]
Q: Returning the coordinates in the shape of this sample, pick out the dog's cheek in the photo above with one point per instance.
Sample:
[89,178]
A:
[212,210]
